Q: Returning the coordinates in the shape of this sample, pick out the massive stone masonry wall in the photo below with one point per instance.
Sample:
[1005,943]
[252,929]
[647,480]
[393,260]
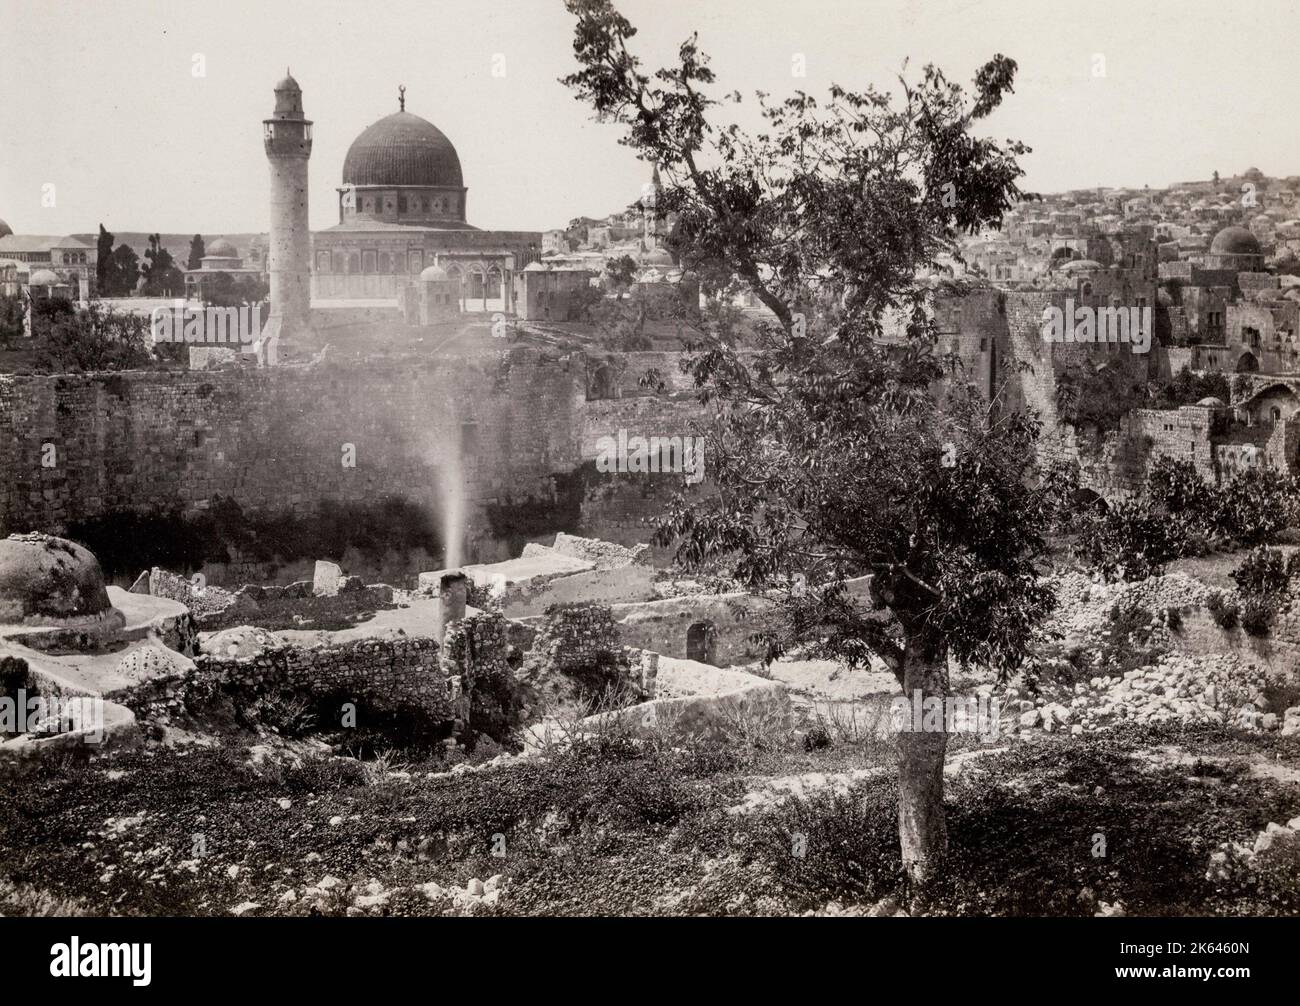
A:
[78,446]
[277,437]
[378,674]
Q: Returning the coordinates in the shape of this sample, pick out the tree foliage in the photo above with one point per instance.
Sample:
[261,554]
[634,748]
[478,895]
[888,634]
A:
[830,453]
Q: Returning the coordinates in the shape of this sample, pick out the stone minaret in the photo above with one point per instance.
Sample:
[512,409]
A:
[287,137]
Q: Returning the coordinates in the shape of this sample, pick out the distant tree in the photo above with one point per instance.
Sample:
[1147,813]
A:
[197,251]
[161,276]
[123,272]
[104,262]
[224,290]
[620,274]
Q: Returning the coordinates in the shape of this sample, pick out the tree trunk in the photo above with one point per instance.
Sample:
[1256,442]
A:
[922,827]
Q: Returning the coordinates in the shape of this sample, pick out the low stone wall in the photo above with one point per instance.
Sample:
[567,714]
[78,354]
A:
[664,625]
[383,675]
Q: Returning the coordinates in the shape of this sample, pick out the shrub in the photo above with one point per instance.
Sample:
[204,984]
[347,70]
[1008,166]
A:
[1130,542]
[1263,573]
[1223,610]
[1176,487]
[1256,506]
[1174,617]
[1257,614]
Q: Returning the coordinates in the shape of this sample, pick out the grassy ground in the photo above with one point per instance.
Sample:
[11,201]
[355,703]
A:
[612,827]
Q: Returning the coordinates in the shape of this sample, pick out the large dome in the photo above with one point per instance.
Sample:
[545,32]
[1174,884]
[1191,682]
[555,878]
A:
[402,149]
[1235,241]
[5,229]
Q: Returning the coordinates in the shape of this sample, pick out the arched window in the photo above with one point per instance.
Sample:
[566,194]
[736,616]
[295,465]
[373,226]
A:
[354,262]
[401,204]
[385,262]
[340,262]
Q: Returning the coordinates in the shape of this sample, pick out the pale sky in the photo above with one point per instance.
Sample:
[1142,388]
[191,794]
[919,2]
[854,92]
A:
[101,100]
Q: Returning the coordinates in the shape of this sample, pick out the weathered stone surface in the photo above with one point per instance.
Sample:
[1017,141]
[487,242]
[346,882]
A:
[48,580]
[327,579]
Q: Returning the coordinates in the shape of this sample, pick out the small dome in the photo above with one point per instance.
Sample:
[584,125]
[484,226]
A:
[1235,241]
[45,580]
[535,267]
[402,149]
[43,277]
[5,229]
[288,84]
[433,274]
[221,248]
[1212,403]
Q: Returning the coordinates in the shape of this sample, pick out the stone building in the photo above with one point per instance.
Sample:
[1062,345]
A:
[402,208]
[70,259]
[547,291]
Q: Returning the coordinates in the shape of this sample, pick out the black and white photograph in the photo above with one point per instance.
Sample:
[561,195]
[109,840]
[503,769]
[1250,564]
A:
[650,458]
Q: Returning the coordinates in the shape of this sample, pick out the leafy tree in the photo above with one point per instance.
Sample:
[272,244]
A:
[830,454]
[197,251]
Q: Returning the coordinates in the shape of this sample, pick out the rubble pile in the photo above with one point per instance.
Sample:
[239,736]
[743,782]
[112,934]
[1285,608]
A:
[1179,687]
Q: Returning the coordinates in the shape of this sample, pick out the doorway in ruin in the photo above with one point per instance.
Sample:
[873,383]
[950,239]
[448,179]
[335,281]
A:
[699,642]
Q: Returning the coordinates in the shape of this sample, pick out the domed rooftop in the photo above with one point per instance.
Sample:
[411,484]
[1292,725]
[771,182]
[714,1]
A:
[288,83]
[1235,241]
[5,229]
[434,274]
[43,277]
[1211,403]
[402,149]
[221,248]
[48,581]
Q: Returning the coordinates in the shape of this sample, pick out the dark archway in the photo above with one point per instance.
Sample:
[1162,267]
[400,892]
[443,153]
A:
[1248,364]
[699,642]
